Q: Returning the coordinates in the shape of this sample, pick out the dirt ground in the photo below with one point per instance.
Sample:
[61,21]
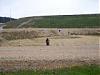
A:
[63,50]
[60,48]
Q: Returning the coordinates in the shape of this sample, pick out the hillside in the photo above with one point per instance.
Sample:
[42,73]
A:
[57,21]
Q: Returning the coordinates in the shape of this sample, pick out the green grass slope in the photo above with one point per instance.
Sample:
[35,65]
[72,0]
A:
[83,70]
[58,21]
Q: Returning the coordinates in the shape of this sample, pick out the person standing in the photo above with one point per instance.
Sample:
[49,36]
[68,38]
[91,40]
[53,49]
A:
[47,42]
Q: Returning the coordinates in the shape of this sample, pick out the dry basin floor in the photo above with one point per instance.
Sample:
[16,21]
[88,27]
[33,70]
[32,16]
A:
[60,48]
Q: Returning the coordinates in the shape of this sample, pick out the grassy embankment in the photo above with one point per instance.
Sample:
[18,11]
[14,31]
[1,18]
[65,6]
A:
[65,21]
[83,70]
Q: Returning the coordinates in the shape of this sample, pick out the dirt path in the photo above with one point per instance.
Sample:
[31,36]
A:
[23,23]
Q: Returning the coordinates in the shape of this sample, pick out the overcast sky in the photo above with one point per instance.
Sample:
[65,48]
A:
[24,8]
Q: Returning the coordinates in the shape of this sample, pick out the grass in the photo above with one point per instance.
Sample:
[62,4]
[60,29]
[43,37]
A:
[77,70]
[13,35]
[64,21]
[29,33]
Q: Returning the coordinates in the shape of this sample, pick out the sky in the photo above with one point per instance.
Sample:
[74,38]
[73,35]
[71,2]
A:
[25,8]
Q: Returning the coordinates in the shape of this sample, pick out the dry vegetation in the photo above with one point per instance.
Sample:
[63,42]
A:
[37,36]
[26,49]
[29,33]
